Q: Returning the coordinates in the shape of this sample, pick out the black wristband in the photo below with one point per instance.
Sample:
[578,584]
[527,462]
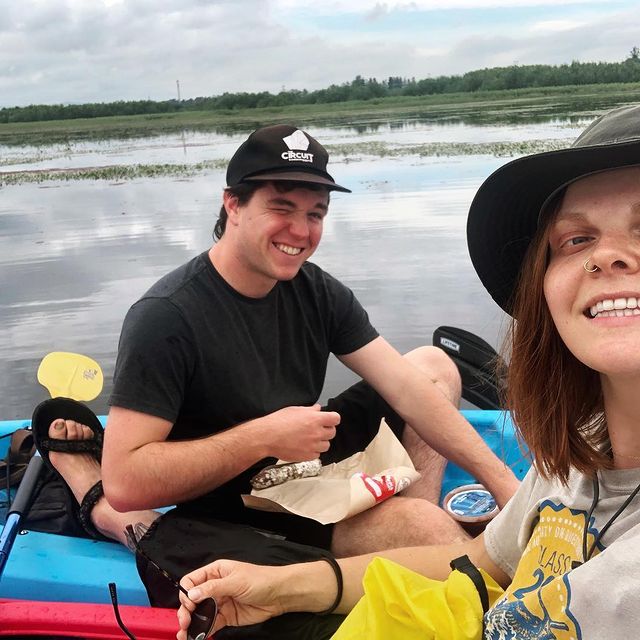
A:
[336,569]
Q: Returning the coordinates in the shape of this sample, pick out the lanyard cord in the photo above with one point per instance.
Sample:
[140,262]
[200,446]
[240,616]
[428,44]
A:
[596,496]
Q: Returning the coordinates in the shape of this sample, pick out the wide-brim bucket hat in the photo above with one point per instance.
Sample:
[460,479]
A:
[503,217]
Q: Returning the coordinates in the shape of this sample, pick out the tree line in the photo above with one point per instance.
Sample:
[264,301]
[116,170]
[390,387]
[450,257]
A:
[498,78]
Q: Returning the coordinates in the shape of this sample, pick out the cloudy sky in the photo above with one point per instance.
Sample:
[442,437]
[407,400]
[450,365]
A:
[62,51]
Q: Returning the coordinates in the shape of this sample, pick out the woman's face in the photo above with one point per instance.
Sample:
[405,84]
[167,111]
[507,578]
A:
[598,314]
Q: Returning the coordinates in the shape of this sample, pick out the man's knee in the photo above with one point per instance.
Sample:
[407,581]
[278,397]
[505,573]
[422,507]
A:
[440,368]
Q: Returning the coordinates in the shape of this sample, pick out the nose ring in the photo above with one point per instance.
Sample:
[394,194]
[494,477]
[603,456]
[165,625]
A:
[585,266]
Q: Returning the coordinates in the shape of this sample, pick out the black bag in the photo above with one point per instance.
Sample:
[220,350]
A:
[53,508]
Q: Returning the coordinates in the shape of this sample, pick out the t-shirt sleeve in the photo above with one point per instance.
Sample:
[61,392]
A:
[504,537]
[350,328]
[155,360]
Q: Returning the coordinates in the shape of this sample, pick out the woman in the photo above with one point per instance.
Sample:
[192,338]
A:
[555,238]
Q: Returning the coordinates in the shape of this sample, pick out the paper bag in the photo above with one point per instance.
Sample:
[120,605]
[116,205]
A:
[344,488]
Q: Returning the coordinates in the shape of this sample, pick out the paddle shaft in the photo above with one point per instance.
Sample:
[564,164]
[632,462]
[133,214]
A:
[19,505]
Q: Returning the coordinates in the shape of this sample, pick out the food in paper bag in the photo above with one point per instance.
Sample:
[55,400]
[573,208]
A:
[276,474]
[344,488]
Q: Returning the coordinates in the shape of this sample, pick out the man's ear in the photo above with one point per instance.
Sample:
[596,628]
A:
[231,205]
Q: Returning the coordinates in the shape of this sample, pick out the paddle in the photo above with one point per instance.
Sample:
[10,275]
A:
[63,374]
[476,360]
[70,375]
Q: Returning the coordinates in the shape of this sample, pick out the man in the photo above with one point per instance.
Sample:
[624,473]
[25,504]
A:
[219,369]
[221,363]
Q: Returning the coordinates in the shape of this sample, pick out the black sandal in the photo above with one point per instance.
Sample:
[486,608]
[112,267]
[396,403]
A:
[48,411]
[86,507]
[65,408]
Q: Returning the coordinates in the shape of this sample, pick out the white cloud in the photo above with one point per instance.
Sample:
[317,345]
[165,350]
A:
[55,51]
[555,26]
[365,6]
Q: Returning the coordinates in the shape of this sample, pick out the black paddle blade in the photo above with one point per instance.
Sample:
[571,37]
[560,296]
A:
[477,362]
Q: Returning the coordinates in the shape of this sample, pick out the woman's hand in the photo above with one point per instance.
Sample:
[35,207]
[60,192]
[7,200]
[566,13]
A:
[245,593]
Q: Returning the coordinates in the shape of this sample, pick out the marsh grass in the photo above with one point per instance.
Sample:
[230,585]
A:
[479,107]
[345,152]
[502,107]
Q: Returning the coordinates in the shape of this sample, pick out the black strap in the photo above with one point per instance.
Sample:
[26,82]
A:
[464,565]
[86,507]
[114,601]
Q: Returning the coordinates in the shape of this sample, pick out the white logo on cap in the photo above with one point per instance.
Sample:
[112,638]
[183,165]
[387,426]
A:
[298,144]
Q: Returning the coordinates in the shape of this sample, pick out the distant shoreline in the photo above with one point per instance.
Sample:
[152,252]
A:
[478,107]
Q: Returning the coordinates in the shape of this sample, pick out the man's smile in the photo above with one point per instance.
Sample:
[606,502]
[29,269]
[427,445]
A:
[288,249]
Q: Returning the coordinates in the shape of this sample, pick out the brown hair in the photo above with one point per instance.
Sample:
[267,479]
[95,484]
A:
[555,399]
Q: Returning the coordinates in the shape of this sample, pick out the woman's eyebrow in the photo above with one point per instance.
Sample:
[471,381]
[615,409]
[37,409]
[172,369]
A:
[579,216]
[570,216]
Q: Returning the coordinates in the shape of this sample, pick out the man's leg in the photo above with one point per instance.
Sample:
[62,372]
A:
[396,522]
[413,518]
[81,471]
[443,372]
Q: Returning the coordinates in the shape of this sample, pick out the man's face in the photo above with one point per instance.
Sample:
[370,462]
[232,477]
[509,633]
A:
[273,234]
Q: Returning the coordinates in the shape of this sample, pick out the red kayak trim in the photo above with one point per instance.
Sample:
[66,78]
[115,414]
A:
[84,620]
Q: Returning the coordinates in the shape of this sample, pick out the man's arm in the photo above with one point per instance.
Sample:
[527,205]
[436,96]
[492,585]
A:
[248,593]
[417,399]
[141,470]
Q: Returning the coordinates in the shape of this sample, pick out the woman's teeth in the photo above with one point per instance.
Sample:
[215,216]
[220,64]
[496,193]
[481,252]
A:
[617,307]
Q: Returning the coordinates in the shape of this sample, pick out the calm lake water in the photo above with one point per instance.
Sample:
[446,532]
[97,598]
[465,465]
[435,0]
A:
[75,255]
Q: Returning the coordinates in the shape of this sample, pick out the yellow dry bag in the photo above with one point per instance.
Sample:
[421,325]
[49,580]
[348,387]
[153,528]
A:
[399,603]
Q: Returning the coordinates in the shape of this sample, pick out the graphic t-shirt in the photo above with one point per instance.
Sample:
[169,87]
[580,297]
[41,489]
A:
[537,538]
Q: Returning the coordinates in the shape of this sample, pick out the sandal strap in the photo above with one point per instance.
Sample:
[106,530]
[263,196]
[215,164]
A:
[93,446]
[86,507]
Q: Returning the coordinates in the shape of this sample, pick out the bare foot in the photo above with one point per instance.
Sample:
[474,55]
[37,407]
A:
[81,471]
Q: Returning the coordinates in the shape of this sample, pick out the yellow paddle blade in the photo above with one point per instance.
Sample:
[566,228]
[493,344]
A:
[70,375]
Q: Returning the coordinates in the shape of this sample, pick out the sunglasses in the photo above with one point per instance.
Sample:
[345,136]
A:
[203,617]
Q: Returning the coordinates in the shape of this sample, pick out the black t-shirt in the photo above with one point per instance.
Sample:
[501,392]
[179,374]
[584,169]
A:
[199,354]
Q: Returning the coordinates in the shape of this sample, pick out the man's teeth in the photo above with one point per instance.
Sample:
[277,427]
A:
[285,248]
[288,249]
[617,307]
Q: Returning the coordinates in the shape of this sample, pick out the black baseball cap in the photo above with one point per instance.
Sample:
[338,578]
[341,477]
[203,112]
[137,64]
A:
[504,213]
[281,152]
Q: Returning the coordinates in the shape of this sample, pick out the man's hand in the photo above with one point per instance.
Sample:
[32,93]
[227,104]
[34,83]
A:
[245,593]
[295,434]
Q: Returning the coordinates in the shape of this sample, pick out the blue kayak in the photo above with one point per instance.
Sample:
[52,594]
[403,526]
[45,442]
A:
[45,567]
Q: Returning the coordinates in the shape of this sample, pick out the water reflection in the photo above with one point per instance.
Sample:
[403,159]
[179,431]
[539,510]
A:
[75,255]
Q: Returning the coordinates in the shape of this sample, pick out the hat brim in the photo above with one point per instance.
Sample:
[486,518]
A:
[297,176]
[504,213]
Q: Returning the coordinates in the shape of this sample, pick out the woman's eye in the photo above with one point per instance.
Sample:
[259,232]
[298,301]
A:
[572,242]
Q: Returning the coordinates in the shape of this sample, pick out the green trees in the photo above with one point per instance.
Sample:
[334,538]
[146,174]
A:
[512,77]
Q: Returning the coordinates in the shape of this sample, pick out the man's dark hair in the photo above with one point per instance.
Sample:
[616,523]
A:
[245,190]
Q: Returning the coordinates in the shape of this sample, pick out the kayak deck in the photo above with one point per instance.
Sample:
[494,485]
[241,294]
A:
[44,566]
